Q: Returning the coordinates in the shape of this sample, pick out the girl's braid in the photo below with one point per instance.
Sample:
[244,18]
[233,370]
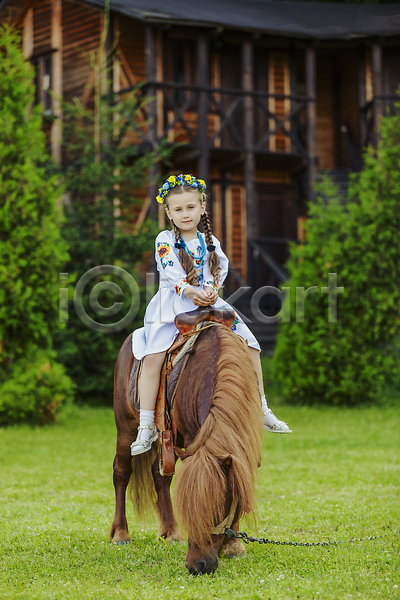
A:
[185,260]
[213,258]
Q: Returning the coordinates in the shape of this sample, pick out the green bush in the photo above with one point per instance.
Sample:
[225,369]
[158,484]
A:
[35,391]
[31,249]
[349,361]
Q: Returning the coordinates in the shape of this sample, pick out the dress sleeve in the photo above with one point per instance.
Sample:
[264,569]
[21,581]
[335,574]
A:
[172,274]
[208,278]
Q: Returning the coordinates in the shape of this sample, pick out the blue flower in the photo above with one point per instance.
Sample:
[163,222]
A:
[165,186]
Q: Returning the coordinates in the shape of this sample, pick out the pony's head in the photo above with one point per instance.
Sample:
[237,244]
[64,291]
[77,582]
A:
[215,485]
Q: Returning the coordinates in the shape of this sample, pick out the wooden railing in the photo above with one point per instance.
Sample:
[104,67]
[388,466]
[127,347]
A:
[181,113]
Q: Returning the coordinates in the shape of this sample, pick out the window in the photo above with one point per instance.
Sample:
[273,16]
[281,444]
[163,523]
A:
[180,67]
[43,82]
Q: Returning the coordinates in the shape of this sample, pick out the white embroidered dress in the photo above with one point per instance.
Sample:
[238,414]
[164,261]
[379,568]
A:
[159,330]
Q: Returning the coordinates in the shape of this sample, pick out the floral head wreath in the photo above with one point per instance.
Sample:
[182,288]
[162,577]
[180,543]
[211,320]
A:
[175,180]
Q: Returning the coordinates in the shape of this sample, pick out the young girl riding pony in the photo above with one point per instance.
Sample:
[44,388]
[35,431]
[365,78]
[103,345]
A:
[192,268]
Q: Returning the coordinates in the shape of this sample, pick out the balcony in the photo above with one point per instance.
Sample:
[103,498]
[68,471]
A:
[220,120]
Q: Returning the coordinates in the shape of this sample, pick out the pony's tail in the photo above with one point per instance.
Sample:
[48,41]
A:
[141,484]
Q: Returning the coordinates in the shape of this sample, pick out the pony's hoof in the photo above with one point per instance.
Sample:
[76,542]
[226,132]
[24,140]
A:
[121,537]
[122,542]
[234,549]
[175,536]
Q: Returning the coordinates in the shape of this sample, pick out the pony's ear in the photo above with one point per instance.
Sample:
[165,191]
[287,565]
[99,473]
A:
[227,462]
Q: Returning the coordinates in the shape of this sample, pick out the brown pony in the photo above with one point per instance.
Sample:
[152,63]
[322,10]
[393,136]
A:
[218,415]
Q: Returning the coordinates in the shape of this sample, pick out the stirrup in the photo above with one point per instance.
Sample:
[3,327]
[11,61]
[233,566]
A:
[273,424]
[140,446]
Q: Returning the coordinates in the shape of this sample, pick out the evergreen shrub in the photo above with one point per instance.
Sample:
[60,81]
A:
[349,361]
[35,390]
[31,247]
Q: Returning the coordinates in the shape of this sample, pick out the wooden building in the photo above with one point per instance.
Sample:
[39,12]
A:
[265,94]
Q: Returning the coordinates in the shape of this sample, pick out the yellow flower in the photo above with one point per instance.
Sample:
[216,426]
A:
[202,182]
[188,177]
[172,179]
[160,200]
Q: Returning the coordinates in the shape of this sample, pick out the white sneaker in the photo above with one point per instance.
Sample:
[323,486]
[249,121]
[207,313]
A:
[145,437]
[274,425]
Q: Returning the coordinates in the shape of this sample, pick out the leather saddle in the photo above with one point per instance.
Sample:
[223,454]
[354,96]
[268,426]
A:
[186,323]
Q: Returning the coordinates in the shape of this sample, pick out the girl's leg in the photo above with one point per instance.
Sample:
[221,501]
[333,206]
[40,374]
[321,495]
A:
[270,421]
[255,355]
[149,383]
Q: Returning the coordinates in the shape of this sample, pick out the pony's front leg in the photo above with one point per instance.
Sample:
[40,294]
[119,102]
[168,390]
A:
[233,547]
[168,527]
[122,472]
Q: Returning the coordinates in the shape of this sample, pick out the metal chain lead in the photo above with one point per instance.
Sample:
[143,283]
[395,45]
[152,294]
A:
[247,539]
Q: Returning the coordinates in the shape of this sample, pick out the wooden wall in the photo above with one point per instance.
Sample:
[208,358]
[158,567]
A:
[236,242]
[325,114]
[42,26]
[81,29]
[279,83]
[42,43]
[131,51]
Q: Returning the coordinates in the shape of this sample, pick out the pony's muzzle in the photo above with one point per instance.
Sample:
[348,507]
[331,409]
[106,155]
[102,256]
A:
[203,565]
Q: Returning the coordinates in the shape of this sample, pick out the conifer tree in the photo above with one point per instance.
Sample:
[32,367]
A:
[351,360]
[31,248]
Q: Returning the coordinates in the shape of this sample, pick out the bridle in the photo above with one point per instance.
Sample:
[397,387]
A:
[227,522]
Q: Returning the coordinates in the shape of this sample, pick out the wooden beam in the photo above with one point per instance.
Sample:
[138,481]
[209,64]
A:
[249,160]
[142,215]
[159,41]
[109,54]
[57,85]
[116,71]
[243,232]
[228,222]
[202,69]
[159,77]
[217,210]
[362,93]
[378,87]
[151,75]
[27,36]
[311,92]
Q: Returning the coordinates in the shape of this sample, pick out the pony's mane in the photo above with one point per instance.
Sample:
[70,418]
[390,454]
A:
[232,429]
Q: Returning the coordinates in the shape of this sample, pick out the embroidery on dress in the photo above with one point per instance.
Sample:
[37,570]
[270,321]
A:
[233,326]
[163,250]
[178,287]
[198,262]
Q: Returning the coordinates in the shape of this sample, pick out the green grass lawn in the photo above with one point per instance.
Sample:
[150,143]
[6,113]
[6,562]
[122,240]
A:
[335,478]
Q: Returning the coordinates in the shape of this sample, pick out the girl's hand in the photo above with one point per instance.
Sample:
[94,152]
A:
[211,293]
[197,296]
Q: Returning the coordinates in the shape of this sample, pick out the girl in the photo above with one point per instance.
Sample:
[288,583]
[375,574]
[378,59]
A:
[192,268]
